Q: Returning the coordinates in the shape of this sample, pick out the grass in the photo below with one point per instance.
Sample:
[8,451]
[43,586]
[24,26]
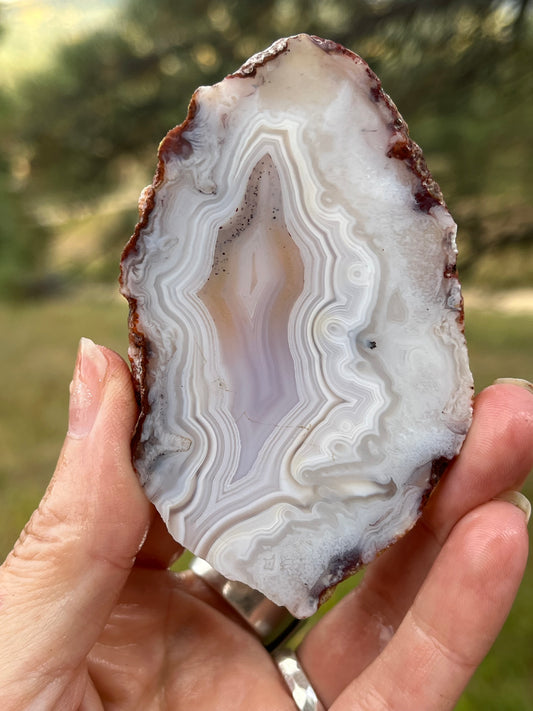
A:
[500,346]
[37,358]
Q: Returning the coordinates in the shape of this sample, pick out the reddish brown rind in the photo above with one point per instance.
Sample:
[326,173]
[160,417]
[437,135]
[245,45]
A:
[461,316]
[438,468]
[339,570]
[250,67]
[404,148]
[139,354]
[450,271]
[138,351]
[429,193]
[335,48]
[174,143]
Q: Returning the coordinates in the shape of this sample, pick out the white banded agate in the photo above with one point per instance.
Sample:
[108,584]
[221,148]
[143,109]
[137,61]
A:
[295,324]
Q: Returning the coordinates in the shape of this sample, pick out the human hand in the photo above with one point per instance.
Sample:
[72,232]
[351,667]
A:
[91,618]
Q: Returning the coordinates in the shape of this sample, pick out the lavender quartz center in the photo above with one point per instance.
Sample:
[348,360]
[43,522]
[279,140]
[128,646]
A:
[257,276]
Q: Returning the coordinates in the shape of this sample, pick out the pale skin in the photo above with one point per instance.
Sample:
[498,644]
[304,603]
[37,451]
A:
[91,617]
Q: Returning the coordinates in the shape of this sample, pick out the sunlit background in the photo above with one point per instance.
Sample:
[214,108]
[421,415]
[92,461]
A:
[87,91]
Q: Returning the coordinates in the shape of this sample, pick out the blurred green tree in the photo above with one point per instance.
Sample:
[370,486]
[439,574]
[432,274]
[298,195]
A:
[23,241]
[461,71]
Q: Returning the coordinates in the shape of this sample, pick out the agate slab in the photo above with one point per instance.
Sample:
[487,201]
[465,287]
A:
[295,324]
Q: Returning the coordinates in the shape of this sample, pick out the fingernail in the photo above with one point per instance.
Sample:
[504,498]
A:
[86,388]
[515,381]
[517,499]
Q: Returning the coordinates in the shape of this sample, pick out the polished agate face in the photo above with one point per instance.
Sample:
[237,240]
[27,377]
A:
[296,324]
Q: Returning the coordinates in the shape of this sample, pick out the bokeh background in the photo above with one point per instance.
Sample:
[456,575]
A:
[88,90]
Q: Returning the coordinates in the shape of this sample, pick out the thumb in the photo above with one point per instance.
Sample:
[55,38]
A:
[60,582]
